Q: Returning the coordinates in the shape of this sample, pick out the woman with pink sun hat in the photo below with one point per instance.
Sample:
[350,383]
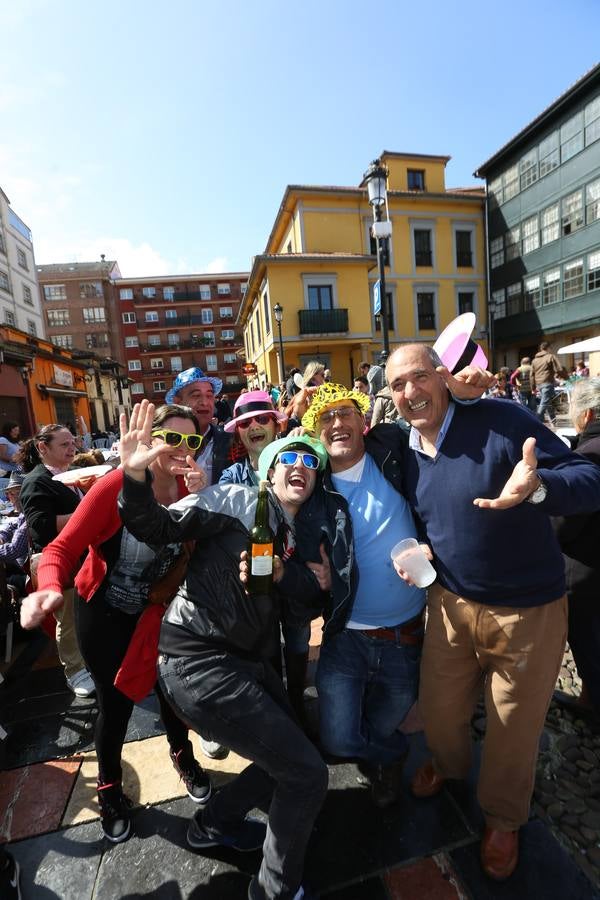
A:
[255,423]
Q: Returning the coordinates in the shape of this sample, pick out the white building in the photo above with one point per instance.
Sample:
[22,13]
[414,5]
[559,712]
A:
[20,304]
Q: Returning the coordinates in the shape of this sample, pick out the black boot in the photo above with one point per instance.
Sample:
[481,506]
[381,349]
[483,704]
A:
[386,783]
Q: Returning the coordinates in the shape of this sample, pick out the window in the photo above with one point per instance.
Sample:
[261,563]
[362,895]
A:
[173,339]
[128,318]
[551,287]
[226,312]
[2,244]
[154,340]
[134,365]
[211,362]
[426,310]
[223,289]
[532,292]
[571,137]
[209,339]
[31,327]
[550,224]
[592,201]
[156,363]
[513,299]
[57,317]
[498,304]
[149,292]
[21,258]
[55,292]
[531,235]
[159,386]
[170,314]
[390,307]
[466,302]
[169,294]
[151,316]
[572,212]
[176,364]
[204,291]
[207,316]
[320,296]
[593,282]
[9,318]
[137,388]
[549,154]
[229,358]
[528,168]
[99,339]
[385,248]
[464,249]
[495,192]
[510,181]
[497,252]
[591,117]
[288,249]
[27,295]
[62,340]
[94,314]
[126,293]
[573,279]
[228,334]
[266,315]
[513,242]
[132,341]
[423,253]
[416,179]
[4,281]
[244,287]
[90,290]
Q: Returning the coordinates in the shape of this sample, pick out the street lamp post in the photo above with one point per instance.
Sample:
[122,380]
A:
[375,179]
[278,310]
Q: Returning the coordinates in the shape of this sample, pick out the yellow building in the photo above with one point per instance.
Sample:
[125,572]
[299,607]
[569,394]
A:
[320,265]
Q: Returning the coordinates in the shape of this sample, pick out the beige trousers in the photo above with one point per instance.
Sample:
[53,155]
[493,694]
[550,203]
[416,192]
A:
[515,656]
[66,638]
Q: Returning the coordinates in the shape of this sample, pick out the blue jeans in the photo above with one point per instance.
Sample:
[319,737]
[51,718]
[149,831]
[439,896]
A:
[366,687]
[546,404]
[242,704]
[528,400]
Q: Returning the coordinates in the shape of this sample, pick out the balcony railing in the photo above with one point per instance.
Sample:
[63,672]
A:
[323,321]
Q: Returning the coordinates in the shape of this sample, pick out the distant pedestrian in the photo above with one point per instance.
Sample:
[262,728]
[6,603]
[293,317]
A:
[545,369]
[374,375]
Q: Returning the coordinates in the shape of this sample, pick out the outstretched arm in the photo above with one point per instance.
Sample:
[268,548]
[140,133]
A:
[468,384]
[522,482]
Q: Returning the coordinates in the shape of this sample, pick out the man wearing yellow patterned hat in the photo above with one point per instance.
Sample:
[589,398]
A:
[367,678]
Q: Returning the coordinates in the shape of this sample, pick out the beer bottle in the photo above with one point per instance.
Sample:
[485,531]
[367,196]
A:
[260,550]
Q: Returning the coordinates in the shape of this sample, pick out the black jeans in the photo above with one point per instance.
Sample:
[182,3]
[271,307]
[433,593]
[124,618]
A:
[241,703]
[104,634]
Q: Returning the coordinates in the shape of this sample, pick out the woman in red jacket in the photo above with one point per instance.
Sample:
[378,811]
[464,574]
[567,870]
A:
[112,590]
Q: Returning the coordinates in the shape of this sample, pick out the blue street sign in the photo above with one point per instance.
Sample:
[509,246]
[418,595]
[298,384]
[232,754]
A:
[377,298]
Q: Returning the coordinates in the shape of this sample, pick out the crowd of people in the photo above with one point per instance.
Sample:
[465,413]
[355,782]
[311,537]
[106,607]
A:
[154,553]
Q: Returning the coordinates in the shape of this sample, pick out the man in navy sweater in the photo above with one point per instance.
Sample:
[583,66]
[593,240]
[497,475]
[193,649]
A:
[495,623]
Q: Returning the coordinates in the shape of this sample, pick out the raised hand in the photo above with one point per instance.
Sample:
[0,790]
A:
[35,607]
[135,444]
[322,570]
[193,475]
[522,482]
[469,383]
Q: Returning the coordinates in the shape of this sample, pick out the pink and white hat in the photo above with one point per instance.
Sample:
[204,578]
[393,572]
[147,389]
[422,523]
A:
[252,403]
[456,348]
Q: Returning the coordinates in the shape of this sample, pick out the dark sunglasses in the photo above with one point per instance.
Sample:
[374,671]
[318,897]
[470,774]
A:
[175,438]
[263,419]
[290,457]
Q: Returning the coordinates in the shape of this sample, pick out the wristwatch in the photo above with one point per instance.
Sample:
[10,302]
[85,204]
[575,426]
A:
[539,494]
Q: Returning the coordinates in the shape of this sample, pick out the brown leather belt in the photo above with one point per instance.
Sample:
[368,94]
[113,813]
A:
[410,632]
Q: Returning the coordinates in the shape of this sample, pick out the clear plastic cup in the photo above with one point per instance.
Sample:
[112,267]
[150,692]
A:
[410,557]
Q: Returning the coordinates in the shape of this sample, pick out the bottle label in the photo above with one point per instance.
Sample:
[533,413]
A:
[262,559]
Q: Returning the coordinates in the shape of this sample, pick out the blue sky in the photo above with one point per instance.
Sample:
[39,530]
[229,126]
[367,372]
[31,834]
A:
[164,134]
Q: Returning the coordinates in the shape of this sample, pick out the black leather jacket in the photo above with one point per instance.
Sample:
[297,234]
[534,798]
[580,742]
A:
[211,604]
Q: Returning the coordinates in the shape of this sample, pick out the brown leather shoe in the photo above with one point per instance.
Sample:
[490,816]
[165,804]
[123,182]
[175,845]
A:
[426,782]
[499,853]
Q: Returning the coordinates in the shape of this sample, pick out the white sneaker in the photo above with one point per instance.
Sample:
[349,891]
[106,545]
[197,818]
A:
[213,749]
[81,684]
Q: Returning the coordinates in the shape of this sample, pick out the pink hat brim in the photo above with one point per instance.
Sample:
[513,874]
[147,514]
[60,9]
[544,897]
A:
[229,427]
[454,339]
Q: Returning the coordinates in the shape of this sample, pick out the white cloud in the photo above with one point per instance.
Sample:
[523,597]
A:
[134,259]
[218,264]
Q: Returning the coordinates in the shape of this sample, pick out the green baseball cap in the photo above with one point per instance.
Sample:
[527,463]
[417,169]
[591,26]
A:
[299,442]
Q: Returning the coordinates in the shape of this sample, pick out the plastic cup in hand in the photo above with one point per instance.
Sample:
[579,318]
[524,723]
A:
[410,557]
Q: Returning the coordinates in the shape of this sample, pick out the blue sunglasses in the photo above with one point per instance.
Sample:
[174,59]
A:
[290,457]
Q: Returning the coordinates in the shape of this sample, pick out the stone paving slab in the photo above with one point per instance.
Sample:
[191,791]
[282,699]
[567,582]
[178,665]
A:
[432,878]
[32,799]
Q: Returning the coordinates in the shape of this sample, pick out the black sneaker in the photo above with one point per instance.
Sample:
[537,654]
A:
[197,782]
[250,835]
[10,889]
[255,892]
[114,812]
